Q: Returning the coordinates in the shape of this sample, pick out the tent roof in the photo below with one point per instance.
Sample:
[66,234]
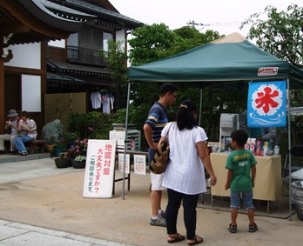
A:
[228,59]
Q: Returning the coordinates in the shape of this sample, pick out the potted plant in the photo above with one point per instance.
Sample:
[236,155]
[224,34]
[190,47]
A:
[63,160]
[79,161]
[77,151]
[59,148]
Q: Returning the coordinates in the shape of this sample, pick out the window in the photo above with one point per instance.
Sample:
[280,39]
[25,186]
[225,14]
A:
[107,37]
[73,46]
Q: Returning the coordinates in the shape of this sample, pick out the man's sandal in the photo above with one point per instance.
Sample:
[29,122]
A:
[173,238]
[195,240]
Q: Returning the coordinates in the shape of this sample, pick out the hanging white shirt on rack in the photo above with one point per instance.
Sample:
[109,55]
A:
[96,100]
[106,103]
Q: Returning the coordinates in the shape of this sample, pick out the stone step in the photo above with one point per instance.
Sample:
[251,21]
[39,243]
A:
[5,158]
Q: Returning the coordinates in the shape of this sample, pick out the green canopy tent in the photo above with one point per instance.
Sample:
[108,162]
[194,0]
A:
[227,61]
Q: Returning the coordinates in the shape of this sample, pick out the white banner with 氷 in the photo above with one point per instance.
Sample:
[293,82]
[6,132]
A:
[121,163]
[140,164]
[99,169]
[266,104]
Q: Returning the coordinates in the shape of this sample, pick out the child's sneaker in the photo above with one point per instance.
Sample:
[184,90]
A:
[232,228]
[253,227]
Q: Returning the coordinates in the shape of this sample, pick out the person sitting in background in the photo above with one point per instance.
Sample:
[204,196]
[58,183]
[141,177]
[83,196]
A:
[270,135]
[11,124]
[27,129]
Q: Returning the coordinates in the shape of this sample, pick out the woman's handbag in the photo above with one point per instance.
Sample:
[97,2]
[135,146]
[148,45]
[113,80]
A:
[160,160]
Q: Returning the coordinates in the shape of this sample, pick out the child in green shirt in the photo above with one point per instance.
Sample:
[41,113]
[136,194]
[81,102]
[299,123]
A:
[241,165]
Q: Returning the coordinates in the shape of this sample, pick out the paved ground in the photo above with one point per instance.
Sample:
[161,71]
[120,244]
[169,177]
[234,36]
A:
[40,203]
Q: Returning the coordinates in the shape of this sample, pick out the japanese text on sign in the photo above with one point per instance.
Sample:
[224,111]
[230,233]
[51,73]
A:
[99,169]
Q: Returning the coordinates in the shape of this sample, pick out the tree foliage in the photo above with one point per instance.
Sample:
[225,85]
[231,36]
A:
[149,42]
[188,37]
[153,42]
[116,59]
[280,34]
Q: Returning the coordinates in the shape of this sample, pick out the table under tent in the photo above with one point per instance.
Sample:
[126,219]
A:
[230,60]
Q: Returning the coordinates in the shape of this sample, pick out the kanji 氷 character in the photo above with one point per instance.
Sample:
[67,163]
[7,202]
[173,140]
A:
[265,99]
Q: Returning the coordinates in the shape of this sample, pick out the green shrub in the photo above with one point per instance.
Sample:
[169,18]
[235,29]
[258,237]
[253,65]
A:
[92,125]
[97,125]
[77,124]
[137,116]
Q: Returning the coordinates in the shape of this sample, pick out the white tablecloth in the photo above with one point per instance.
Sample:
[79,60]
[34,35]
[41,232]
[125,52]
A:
[268,182]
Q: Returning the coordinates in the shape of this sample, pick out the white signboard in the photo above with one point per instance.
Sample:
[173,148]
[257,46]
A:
[140,164]
[99,169]
[121,163]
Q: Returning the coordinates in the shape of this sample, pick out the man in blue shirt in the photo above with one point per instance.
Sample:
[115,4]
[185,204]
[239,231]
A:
[155,122]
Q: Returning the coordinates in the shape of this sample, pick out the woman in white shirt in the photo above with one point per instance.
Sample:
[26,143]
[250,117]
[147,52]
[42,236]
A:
[27,132]
[184,177]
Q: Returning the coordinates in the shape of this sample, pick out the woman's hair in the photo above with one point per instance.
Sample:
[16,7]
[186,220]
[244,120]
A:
[186,115]
[24,113]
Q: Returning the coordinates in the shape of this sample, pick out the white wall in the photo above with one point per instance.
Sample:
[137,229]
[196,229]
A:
[120,36]
[31,93]
[26,56]
[57,43]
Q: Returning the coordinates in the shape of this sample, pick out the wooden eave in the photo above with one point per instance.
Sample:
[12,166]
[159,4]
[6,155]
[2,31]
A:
[103,3]
[106,13]
[29,22]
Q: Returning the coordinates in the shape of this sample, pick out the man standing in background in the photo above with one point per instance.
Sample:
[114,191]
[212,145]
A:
[155,122]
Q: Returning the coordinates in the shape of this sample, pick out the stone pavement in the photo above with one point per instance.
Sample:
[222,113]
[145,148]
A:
[43,205]
[12,233]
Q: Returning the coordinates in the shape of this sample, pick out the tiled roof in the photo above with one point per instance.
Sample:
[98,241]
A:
[62,72]
[54,78]
[79,15]
[104,16]
[30,21]
[69,67]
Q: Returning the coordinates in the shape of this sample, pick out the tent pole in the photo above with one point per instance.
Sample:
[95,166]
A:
[125,139]
[288,151]
[200,110]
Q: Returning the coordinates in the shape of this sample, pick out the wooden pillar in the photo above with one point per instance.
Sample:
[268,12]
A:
[2,88]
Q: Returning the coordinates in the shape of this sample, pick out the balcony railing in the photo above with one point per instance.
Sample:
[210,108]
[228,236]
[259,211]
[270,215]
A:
[86,56]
